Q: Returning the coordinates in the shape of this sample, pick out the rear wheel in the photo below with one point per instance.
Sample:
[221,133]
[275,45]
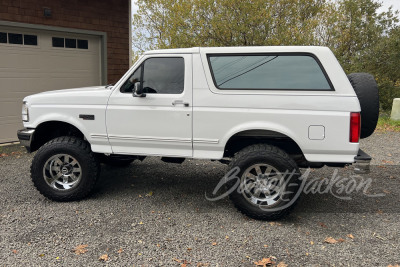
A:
[269,182]
[65,169]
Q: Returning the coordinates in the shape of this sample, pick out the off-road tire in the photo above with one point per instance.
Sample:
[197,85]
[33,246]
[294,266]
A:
[367,93]
[78,149]
[271,155]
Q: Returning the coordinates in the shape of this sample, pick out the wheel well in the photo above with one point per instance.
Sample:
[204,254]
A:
[243,139]
[53,129]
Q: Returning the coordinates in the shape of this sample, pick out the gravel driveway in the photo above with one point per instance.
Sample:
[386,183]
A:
[156,214]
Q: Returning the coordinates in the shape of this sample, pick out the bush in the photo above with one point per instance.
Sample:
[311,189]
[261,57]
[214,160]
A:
[387,92]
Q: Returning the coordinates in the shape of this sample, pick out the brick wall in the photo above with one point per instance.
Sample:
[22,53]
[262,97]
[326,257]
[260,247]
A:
[110,16]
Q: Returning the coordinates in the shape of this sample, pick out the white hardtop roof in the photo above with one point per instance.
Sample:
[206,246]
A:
[241,49]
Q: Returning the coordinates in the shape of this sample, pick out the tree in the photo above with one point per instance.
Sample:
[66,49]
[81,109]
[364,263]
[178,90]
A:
[353,27]
[362,38]
[170,24]
[383,60]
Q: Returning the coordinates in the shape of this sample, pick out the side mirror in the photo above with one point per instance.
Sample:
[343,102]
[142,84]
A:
[137,91]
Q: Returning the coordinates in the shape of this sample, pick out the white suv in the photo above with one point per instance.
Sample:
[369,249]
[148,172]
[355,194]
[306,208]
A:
[264,110]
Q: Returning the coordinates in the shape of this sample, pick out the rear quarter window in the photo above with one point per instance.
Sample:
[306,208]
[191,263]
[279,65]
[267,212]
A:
[268,72]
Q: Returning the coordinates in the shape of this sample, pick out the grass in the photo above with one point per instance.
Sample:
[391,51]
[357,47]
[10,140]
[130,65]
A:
[385,124]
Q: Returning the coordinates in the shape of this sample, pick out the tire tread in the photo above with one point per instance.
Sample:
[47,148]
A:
[261,150]
[73,143]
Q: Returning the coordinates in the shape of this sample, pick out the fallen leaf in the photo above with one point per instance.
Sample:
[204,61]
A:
[226,237]
[311,242]
[386,191]
[214,243]
[81,249]
[340,240]
[393,265]
[265,246]
[350,236]
[149,194]
[378,236]
[15,251]
[41,255]
[330,240]
[282,264]
[3,155]
[189,249]
[104,258]
[57,258]
[120,251]
[322,225]
[141,223]
[274,223]
[264,262]
[183,263]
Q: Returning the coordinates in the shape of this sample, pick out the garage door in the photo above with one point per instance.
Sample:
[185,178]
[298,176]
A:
[33,61]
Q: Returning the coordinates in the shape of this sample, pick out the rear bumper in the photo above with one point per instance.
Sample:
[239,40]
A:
[25,137]
[362,162]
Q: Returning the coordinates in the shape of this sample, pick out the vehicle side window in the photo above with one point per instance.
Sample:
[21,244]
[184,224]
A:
[163,75]
[128,86]
[268,72]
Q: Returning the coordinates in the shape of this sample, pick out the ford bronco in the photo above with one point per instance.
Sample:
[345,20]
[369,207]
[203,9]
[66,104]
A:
[265,111]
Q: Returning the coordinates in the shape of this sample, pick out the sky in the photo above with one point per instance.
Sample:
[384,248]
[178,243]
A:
[388,3]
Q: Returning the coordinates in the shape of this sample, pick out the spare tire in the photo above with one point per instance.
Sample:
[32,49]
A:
[366,89]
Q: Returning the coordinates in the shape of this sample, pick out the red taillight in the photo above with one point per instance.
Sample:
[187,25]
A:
[355,124]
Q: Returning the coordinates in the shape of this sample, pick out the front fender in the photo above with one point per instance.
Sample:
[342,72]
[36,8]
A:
[94,129]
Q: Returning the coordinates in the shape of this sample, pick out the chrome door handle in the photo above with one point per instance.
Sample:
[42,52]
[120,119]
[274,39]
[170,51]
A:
[180,102]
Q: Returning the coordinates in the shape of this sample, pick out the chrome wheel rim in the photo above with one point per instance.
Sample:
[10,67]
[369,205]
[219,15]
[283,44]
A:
[62,172]
[261,185]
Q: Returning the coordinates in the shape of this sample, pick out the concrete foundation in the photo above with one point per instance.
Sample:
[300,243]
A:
[396,110]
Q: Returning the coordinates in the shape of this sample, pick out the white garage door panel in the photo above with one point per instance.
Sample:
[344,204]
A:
[26,70]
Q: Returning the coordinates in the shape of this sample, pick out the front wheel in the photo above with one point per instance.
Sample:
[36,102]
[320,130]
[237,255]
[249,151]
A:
[269,182]
[65,169]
